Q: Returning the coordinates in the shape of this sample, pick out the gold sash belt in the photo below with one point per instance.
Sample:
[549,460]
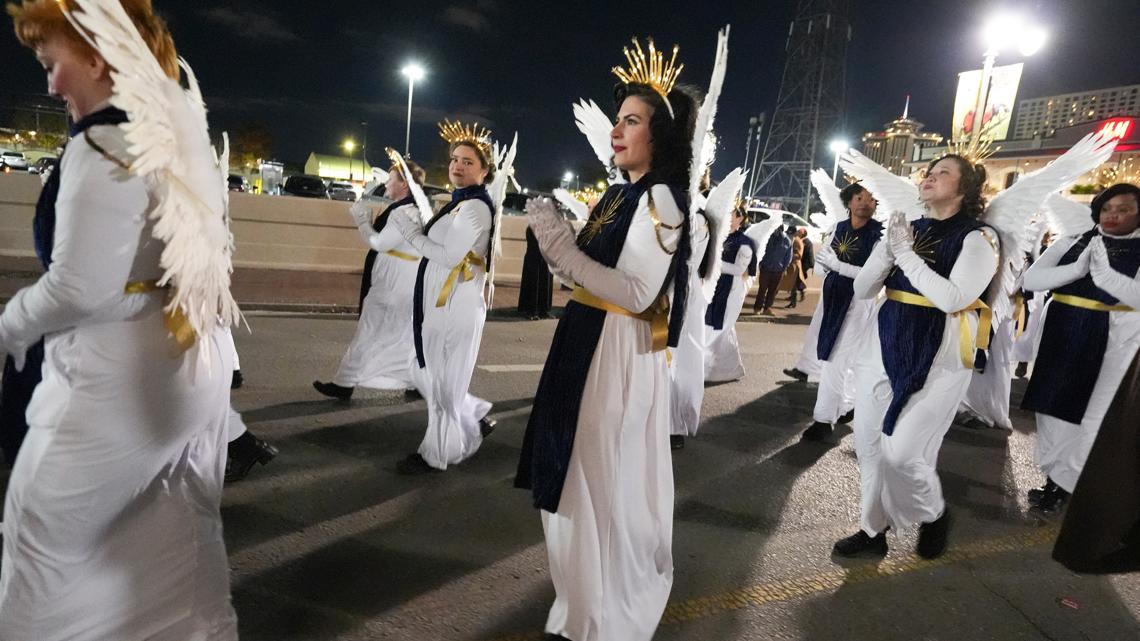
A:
[1020,311]
[402,256]
[966,343]
[657,315]
[176,322]
[1088,303]
[464,268]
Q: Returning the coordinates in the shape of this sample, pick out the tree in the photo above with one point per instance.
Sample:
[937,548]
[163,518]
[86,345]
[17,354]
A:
[249,144]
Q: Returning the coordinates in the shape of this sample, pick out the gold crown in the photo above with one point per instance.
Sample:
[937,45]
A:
[455,132]
[396,158]
[650,69]
[975,150]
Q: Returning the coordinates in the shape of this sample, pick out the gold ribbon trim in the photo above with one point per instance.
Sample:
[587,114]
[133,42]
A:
[657,315]
[1088,303]
[1020,311]
[966,343]
[402,256]
[464,269]
[176,322]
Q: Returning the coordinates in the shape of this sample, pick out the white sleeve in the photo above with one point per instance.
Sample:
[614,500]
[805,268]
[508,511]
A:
[1123,288]
[1045,273]
[100,215]
[390,237]
[849,270]
[362,215]
[634,290]
[869,281]
[972,273]
[743,257]
[472,222]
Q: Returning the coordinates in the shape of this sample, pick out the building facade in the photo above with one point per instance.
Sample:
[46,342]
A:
[1045,116]
[897,143]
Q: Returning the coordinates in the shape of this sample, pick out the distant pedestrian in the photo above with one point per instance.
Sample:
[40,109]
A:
[777,257]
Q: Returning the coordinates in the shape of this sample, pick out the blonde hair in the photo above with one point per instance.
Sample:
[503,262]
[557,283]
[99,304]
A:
[37,21]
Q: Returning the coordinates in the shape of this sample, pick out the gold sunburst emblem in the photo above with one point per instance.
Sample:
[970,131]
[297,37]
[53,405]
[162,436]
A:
[603,216]
[925,246]
[845,246]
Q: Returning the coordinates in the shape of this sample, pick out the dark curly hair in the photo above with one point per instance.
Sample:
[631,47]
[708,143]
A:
[672,137]
[483,159]
[849,192]
[1103,197]
[970,185]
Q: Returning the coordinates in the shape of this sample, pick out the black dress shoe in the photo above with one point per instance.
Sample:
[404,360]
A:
[415,464]
[1022,369]
[796,374]
[243,452]
[412,394]
[846,418]
[554,637]
[790,305]
[1036,494]
[676,441]
[932,536]
[487,426]
[1053,501]
[817,432]
[332,390]
[238,380]
[803,295]
[859,543]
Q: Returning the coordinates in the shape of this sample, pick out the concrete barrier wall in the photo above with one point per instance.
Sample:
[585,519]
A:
[271,232]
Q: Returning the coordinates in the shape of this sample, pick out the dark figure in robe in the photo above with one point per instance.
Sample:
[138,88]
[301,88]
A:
[536,292]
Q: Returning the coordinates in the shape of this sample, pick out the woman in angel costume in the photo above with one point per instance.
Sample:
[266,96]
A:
[739,262]
[844,320]
[378,356]
[112,527]
[596,451]
[448,309]
[1091,333]
[921,352]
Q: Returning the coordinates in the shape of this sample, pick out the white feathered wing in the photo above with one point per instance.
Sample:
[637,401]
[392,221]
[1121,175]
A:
[168,143]
[504,159]
[596,126]
[718,209]
[894,192]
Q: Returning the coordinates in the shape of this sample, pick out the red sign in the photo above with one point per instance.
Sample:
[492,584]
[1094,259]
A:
[1117,129]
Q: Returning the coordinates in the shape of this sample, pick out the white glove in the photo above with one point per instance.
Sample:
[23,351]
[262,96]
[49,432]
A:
[410,227]
[1095,257]
[827,258]
[362,213]
[900,235]
[546,223]
[9,343]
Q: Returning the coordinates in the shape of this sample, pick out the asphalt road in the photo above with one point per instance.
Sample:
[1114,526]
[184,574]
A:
[328,542]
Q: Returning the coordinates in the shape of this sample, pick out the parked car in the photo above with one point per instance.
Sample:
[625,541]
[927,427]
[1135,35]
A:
[44,164]
[13,160]
[342,191]
[305,186]
[238,183]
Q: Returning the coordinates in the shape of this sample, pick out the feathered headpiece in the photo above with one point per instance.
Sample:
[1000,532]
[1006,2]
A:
[651,69]
[456,132]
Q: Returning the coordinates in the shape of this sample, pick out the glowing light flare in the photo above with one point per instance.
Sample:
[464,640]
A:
[413,71]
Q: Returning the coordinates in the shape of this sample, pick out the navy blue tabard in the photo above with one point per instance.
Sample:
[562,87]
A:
[852,246]
[1074,339]
[718,306]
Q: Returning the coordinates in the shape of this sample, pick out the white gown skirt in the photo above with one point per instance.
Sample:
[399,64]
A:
[688,366]
[723,361]
[987,398]
[451,338]
[809,362]
[610,543]
[378,356]
[112,527]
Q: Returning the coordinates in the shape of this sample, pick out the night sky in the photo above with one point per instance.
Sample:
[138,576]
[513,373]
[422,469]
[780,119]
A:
[312,71]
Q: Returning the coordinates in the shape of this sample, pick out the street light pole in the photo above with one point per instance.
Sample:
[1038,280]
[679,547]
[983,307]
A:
[413,72]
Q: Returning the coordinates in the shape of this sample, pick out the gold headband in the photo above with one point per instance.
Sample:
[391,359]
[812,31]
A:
[651,69]
[456,132]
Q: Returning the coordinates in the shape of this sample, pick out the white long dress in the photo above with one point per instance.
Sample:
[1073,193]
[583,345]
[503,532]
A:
[899,483]
[836,394]
[808,361]
[688,363]
[452,334]
[987,397]
[1025,345]
[723,361]
[378,356]
[610,543]
[1063,447]
[112,528]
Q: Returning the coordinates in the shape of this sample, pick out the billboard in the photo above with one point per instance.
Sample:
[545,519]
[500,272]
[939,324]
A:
[999,102]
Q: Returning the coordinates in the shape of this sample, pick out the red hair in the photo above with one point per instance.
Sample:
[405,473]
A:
[37,21]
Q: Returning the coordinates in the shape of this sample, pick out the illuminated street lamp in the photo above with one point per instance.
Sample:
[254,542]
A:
[1003,32]
[349,145]
[837,147]
[414,73]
